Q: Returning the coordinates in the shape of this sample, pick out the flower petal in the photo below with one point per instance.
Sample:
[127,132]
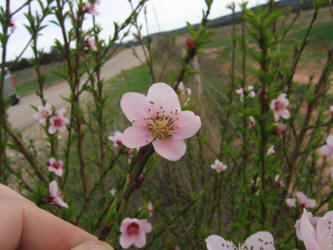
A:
[60,202]
[215,242]
[188,124]
[136,136]
[326,150]
[170,149]
[162,95]
[140,240]
[329,140]
[126,241]
[53,188]
[325,231]
[308,233]
[260,241]
[134,106]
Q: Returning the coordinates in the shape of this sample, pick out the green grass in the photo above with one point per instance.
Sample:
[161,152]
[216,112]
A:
[31,87]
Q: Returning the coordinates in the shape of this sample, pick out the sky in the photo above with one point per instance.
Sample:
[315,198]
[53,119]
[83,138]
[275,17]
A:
[163,15]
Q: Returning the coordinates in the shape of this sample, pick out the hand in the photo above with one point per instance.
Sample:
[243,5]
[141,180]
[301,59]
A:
[24,226]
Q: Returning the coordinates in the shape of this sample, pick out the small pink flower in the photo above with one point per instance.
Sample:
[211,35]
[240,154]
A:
[54,196]
[90,8]
[43,113]
[291,202]
[304,201]
[280,128]
[252,122]
[12,25]
[133,232]
[55,166]
[158,118]
[219,166]
[58,122]
[319,236]
[259,240]
[116,139]
[279,107]
[130,154]
[90,43]
[328,148]
[150,208]
[184,93]
[278,183]
[250,92]
[113,191]
[176,248]
[270,150]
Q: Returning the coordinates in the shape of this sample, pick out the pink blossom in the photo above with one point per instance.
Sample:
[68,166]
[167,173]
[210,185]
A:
[55,166]
[319,236]
[270,150]
[133,232]
[184,93]
[331,109]
[328,148]
[279,107]
[176,248]
[113,191]
[12,25]
[150,208]
[54,196]
[252,122]
[259,240]
[58,122]
[291,202]
[43,113]
[90,8]
[130,154]
[278,183]
[249,92]
[219,166]
[158,118]
[90,43]
[280,128]
[304,201]
[116,139]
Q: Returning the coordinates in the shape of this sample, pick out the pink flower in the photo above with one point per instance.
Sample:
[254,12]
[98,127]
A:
[259,240]
[58,122]
[184,93]
[158,118]
[116,139]
[12,25]
[280,128]
[133,232]
[90,8]
[331,109]
[270,150]
[328,148]
[43,113]
[113,191]
[252,122]
[249,92]
[291,202]
[150,208]
[90,43]
[319,236]
[54,196]
[55,166]
[219,166]
[304,201]
[278,183]
[279,107]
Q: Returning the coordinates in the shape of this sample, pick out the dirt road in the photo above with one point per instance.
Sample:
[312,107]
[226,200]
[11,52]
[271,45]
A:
[21,115]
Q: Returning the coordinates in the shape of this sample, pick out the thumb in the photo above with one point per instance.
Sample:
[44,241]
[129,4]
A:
[93,245]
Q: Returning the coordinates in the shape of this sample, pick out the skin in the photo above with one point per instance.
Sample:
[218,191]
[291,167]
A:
[25,226]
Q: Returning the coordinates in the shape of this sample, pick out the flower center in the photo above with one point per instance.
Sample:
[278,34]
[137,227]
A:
[133,228]
[279,106]
[161,126]
[45,113]
[56,165]
[58,122]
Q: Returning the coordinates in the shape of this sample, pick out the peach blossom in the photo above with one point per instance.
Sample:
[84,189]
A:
[279,107]
[43,113]
[55,166]
[54,196]
[133,232]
